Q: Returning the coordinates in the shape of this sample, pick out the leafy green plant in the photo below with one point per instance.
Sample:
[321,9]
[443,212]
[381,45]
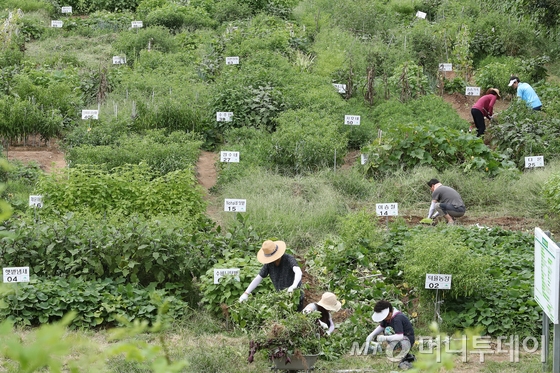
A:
[96,302]
[457,85]
[408,82]
[407,146]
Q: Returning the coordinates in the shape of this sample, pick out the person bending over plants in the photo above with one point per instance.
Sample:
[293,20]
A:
[394,326]
[327,303]
[282,268]
[484,107]
[446,202]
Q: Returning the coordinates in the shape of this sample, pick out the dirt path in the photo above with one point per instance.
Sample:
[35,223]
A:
[49,158]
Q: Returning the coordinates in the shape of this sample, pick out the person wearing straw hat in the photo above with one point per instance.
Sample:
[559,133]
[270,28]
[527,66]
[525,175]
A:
[327,303]
[282,268]
[484,107]
[394,326]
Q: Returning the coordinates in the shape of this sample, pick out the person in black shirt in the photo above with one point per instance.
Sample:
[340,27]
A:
[282,268]
[393,326]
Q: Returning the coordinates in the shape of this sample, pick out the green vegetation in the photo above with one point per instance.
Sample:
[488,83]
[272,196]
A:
[124,238]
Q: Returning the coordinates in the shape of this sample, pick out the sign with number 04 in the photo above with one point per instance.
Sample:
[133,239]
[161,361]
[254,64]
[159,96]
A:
[387,209]
[15,274]
[532,162]
[229,157]
[437,281]
[235,205]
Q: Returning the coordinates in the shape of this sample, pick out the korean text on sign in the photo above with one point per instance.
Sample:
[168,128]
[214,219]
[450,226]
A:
[224,116]
[235,205]
[340,88]
[387,209]
[137,24]
[229,157]
[438,281]
[532,162]
[36,201]
[472,91]
[90,114]
[219,273]
[232,60]
[15,274]
[352,120]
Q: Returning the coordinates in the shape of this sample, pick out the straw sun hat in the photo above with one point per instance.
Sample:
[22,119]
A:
[329,302]
[270,251]
[496,90]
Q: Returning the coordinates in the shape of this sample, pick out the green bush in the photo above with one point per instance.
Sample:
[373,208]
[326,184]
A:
[408,145]
[521,133]
[162,153]
[306,141]
[218,298]
[408,82]
[96,302]
[130,189]
[130,43]
[175,17]
[443,253]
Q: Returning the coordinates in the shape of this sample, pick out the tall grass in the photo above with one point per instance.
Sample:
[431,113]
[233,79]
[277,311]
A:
[300,211]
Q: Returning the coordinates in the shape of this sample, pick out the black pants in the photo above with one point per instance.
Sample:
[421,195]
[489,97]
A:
[478,118]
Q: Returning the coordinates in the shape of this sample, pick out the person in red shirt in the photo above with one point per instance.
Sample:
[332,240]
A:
[484,107]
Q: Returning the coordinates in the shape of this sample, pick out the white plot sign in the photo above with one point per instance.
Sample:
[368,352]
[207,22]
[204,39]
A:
[36,201]
[472,91]
[235,205]
[90,114]
[387,209]
[421,15]
[341,88]
[547,276]
[232,60]
[119,60]
[224,116]
[445,67]
[437,281]
[229,157]
[15,274]
[56,24]
[66,9]
[219,273]
[136,24]
[363,158]
[352,120]
[532,162]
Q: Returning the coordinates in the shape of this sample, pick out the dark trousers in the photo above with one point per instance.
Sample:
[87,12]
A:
[478,118]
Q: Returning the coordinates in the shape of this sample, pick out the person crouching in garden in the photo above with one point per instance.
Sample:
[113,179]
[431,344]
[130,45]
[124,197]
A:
[327,303]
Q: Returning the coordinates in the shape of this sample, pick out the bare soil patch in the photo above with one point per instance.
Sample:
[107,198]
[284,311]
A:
[49,157]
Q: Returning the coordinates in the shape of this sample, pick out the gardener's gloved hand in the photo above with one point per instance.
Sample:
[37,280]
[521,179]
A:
[381,338]
[323,325]
[243,297]
[291,289]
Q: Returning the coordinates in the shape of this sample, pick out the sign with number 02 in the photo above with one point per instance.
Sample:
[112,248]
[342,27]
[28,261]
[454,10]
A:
[437,281]
[387,209]
[532,162]
[15,274]
[235,205]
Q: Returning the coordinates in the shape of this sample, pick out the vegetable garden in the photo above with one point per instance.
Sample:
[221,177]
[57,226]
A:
[124,241]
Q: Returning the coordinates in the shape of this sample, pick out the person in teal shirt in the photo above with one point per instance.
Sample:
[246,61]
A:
[526,92]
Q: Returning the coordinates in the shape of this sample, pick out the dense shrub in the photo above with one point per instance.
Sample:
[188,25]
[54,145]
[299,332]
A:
[96,302]
[408,82]
[129,189]
[408,145]
[162,153]
[306,141]
[130,43]
[175,16]
[160,251]
[522,132]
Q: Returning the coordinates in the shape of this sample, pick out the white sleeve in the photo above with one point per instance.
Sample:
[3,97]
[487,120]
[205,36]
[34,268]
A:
[331,327]
[395,337]
[432,208]
[297,277]
[370,337]
[256,281]
[310,308]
